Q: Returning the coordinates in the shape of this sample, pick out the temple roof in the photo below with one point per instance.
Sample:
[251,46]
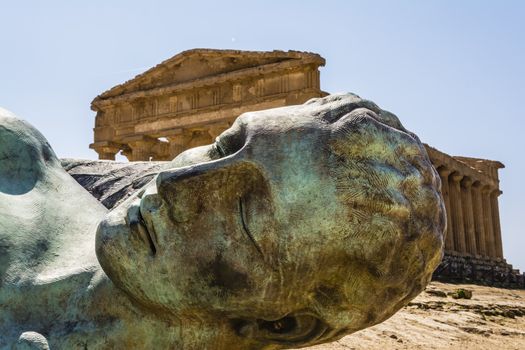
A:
[195,64]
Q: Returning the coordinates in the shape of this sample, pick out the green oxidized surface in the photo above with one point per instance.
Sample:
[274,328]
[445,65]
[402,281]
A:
[297,226]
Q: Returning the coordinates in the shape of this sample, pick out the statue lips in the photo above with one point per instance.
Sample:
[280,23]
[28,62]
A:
[139,229]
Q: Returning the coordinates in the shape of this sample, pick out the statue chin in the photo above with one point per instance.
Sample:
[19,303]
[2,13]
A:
[299,225]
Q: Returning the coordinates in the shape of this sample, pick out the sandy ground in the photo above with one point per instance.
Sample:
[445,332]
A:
[493,319]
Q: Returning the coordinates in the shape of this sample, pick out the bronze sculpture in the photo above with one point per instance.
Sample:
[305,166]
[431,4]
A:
[297,226]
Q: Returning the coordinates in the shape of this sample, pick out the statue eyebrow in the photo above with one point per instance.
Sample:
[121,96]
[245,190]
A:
[247,230]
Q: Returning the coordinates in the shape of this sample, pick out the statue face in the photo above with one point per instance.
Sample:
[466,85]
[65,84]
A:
[297,226]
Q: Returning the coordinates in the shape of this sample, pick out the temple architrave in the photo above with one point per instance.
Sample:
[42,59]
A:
[189,99]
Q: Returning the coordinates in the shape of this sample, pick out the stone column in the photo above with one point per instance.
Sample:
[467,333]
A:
[106,149]
[457,213]
[200,137]
[161,151]
[179,142]
[477,204]
[449,239]
[216,129]
[496,223]
[141,150]
[468,215]
[126,151]
[487,221]
[107,153]
[176,145]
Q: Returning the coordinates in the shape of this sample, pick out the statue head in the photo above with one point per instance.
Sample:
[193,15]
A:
[297,226]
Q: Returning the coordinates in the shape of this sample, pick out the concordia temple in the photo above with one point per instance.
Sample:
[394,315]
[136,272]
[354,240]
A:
[189,99]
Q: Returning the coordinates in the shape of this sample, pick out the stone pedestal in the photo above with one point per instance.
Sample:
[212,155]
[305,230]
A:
[456,268]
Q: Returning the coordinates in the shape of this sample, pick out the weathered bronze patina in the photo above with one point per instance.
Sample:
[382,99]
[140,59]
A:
[297,226]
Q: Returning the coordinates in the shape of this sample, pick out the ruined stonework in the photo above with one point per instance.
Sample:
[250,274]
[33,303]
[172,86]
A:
[473,244]
[458,268]
[189,99]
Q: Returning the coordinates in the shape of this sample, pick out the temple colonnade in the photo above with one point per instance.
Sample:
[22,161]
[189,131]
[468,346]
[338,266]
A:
[470,189]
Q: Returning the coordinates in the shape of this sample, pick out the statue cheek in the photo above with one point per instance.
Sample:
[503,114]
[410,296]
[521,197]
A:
[223,275]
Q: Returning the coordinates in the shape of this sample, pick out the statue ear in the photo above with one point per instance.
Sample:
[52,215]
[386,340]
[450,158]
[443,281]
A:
[291,330]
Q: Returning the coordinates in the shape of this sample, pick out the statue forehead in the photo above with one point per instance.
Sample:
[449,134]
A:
[280,119]
[315,117]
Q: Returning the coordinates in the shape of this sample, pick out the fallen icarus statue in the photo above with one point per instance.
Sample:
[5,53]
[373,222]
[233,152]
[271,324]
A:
[299,225]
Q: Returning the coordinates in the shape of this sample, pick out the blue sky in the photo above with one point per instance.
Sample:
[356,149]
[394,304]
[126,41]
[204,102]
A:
[453,71]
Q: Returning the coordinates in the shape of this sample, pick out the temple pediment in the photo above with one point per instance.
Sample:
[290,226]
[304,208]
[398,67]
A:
[197,64]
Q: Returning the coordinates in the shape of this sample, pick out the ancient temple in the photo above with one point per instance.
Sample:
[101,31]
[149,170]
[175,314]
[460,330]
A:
[189,99]
[473,241]
[470,188]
